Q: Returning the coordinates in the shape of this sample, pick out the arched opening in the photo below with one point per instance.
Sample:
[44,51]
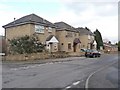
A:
[75,42]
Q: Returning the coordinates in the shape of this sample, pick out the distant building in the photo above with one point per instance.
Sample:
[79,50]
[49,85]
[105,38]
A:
[110,47]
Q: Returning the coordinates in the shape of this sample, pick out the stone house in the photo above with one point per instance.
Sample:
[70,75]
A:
[59,36]
[87,38]
[33,25]
[68,37]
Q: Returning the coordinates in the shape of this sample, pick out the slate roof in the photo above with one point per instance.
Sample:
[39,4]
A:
[84,31]
[32,18]
[49,37]
[64,26]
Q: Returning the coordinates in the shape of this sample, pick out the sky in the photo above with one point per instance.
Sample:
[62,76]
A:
[94,14]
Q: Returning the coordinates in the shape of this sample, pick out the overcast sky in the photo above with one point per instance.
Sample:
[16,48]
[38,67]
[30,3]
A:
[94,14]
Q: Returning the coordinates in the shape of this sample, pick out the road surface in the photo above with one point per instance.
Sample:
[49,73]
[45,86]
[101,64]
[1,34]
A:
[69,74]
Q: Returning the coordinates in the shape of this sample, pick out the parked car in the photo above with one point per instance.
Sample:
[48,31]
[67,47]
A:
[83,50]
[92,53]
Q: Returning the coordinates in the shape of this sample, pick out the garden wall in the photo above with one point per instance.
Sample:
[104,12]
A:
[34,56]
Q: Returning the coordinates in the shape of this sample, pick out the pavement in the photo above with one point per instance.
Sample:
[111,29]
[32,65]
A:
[43,61]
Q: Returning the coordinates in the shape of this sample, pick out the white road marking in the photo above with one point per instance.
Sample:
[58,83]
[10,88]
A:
[75,83]
[87,81]
[68,87]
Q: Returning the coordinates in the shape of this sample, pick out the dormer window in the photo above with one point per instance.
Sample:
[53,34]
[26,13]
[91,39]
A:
[39,29]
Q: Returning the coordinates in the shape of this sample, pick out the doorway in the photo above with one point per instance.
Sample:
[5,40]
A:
[74,47]
[75,42]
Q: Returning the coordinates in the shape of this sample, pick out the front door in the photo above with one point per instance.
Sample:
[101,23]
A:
[74,47]
[51,44]
[91,46]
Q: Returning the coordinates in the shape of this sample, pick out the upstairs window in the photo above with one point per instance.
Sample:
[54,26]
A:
[75,34]
[49,29]
[39,29]
[69,34]
[89,37]
[92,37]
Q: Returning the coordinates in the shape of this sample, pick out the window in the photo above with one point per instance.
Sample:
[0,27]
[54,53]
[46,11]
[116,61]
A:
[75,34]
[39,29]
[49,29]
[92,37]
[89,37]
[83,45]
[69,45]
[69,34]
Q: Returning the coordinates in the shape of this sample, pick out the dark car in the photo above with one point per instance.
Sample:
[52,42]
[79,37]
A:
[92,53]
[83,50]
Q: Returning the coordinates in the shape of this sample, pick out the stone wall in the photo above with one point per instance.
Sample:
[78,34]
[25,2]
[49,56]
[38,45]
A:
[35,56]
[76,54]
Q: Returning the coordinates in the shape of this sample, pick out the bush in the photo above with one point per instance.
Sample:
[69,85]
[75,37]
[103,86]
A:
[26,44]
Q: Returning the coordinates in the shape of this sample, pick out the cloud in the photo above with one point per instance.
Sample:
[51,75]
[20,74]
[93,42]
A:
[100,8]
[25,1]
[100,14]
[7,16]
[66,1]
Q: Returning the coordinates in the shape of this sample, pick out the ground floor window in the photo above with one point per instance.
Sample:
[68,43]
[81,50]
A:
[69,45]
[83,46]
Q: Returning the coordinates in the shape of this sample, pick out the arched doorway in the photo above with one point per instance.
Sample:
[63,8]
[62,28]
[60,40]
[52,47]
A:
[75,42]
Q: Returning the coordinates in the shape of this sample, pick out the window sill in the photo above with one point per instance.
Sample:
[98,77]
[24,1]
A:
[39,33]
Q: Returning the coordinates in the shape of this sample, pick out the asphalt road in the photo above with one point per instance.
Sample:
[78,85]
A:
[69,74]
[105,78]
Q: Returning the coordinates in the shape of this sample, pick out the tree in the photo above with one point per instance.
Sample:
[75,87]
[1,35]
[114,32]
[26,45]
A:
[116,43]
[98,38]
[109,42]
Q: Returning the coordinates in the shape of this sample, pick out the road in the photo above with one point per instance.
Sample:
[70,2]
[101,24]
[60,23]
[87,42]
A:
[69,74]
[105,78]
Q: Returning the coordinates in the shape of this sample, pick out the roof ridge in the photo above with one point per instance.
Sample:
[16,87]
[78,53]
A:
[31,18]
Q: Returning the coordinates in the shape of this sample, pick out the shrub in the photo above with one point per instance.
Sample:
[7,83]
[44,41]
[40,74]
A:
[26,44]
